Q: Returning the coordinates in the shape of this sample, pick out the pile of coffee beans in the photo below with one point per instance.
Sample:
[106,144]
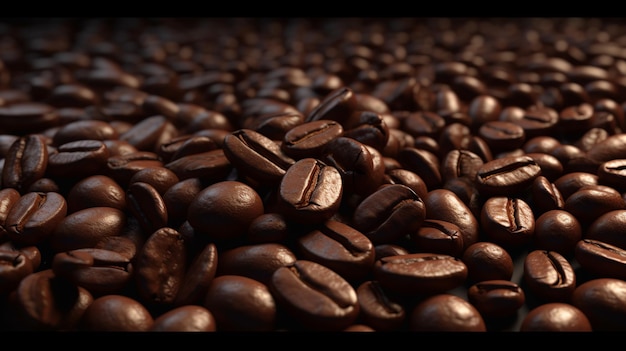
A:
[313,174]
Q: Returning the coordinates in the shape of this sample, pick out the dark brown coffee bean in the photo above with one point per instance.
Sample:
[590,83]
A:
[14,266]
[185,145]
[438,236]
[507,221]
[460,163]
[147,206]
[311,191]
[355,162]
[420,273]
[225,209]
[613,173]
[378,309]
[256,155]
[160,267]
[240,303]
[601,259]
[122,167]
[603,301]
[150,133]
[502,135]
[96,191]
[116,313]
[423,123]
[339,247]
[209,166]
[310,139]
[188,318]
[8,197]
[443,204]
[569,183]
[78,159]
[407,178]
[545,196]
[496,298]
[487,261]
[34,217]
[508,175]
[389,213]
[45,302]
[557,230]
[446,313]
[551,167]
[607,228]
[549,276]
[591,201]
[315,296]
[25,162]
[275,125]
[200,273]
[99,271]
[161,178]
[257,262]
[556,317]
[21,117]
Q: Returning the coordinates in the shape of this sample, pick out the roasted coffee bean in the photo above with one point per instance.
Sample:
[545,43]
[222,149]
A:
[603,301]
[86,228]
[569,183]
[445,205]
[423,123]
[27,117]
[502,135]
[14,266]
[339,247]
[188,318]
[378,309]
[315,296]
[116,313]
[34,217]
[356,164]
[178,197]
[99,271]
[507,221]
[508,175]
[407,178]
[45,302]
[25,162]
[551,167]
[549,276]
[78,159]
[185,145]
[147,206]
[122,167]
[256,155]
[240,303]
[487,261]
[96,191]
[420,273]
[496,298]
[210,166]
[310,139]
[8,197]
[200,273]
[613,173]
[545,196]
[160,267]
[438,236]
[161,178]
[460,163]
[311,191]
[591,201]
[258,262]
[446,313]
[225,209]
[601,259]
[557,230]
[607,228]
[556,317]
[389,213]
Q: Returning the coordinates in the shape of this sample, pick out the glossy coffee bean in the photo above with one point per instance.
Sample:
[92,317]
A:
[25,162]
[389,213]
[603,301]
[339,247]
[378,309]
[601,259]
[146,205]
[508,222]
[606,228]
[96,191]
[78,159]
[188,318]
[487,261]
[508,175]
[438,236]
[14,266]
[310,191]
[443,204]
[310,139]
[34,217]
[225,209]
[556,317]
[549,276]
[496,298]
[116,313]
[557,230]
[314,296]
[446,313]
[241,304]
[258,262]
[420,273]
